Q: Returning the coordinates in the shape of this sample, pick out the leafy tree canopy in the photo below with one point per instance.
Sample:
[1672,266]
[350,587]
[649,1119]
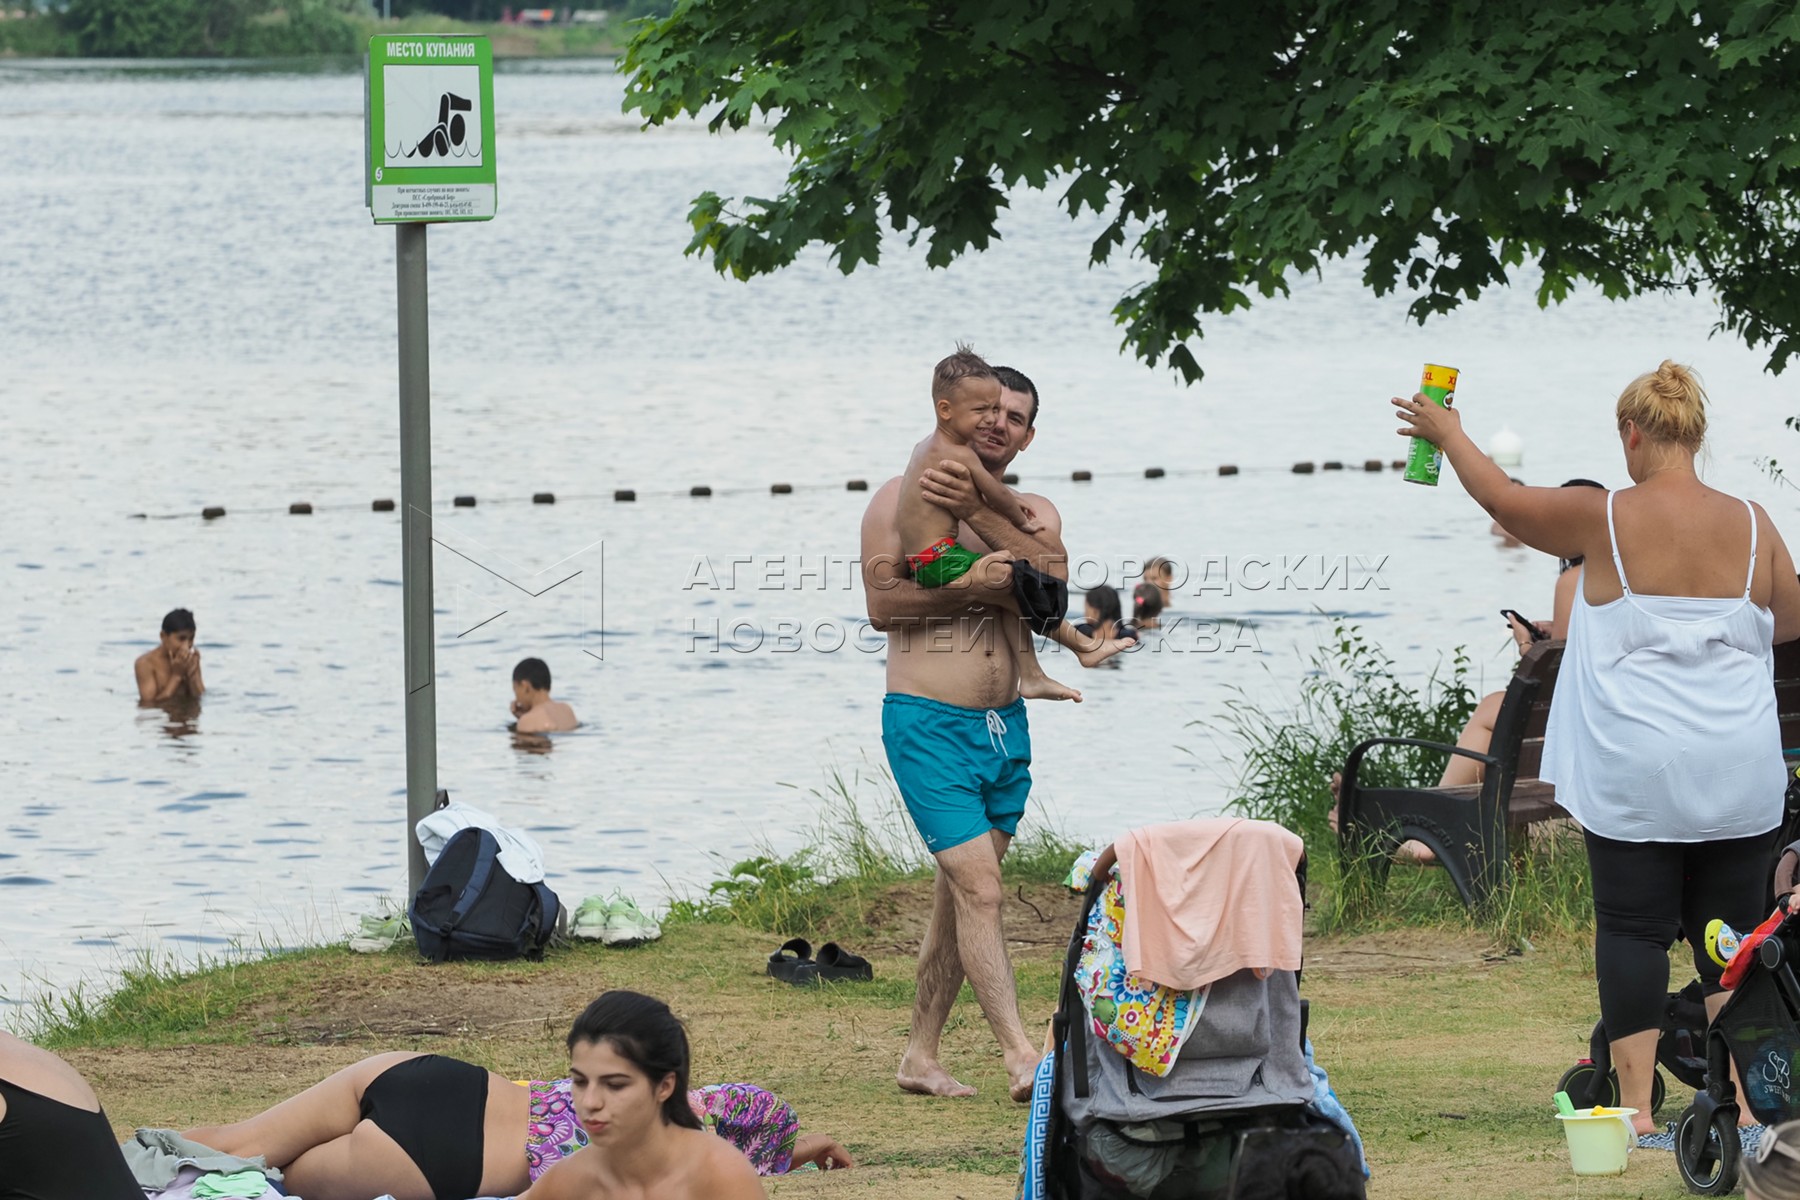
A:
[1638,145]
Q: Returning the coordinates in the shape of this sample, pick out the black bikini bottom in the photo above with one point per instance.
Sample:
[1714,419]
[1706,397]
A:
[435,1109]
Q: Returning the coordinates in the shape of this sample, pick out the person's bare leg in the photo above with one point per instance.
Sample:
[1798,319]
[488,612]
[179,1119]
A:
[1713,1005]
[1409,851]
[1634,1058]
[1034,684]
[324,1112]
[1477,735]
[974,875]
[939,979]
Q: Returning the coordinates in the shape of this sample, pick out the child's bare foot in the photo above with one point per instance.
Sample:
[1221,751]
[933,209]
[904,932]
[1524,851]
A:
[1104,651]
[1042,687]
[1410,851]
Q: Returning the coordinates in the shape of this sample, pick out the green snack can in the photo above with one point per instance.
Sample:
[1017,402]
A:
[1424,460]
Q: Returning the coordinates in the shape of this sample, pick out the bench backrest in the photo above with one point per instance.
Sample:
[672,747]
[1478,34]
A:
[1543,660]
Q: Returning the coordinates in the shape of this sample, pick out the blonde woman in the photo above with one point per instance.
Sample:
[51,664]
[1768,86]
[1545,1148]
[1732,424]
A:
[1663,740]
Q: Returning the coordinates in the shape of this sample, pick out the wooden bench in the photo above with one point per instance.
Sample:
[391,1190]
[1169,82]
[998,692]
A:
[1474,829]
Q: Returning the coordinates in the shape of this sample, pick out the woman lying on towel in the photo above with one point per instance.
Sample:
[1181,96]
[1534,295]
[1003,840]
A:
[425,1127]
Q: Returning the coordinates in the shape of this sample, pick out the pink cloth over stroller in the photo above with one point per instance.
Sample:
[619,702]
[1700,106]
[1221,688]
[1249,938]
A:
[1209,898]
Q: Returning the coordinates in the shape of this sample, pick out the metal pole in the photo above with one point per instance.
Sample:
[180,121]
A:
[415,538]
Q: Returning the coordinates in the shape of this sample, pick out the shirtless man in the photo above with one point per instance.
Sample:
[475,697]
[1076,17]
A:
[965,396]
[950,662]
[532,705]
[172,670]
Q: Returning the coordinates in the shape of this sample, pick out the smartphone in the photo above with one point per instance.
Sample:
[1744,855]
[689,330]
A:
[1537,635]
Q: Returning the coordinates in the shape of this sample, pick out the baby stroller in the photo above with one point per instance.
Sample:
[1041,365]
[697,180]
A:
[1759,1030]
[1232,1109]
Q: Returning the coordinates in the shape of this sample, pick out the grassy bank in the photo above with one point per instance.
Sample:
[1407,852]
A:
[298,33]
[1443,1047]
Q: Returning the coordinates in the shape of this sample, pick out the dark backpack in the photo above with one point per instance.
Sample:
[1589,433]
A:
[470,907]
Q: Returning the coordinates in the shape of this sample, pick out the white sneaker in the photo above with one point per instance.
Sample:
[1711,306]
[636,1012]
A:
[626,924]
[589,919]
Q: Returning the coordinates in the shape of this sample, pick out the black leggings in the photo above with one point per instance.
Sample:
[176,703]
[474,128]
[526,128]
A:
[1645,894]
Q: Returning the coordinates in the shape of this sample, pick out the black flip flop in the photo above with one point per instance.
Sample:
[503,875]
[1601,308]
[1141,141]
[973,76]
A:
[789,967]
[835,962]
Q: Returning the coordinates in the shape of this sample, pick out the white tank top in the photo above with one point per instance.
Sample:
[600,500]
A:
[1663,725]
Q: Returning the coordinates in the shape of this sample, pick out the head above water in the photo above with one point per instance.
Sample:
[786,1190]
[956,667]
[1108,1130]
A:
[535,672]
[641,1030]
[177,633]
[1663,410]
[1563,564]
[1103,603]
[1146,602]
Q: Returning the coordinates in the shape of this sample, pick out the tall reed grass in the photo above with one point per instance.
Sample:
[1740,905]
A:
[1350,692]
[863,844]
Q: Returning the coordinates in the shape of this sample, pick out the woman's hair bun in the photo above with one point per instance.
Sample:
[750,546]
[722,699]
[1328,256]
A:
[1667,404]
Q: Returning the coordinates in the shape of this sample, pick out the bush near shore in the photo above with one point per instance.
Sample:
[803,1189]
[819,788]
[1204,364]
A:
[270,29]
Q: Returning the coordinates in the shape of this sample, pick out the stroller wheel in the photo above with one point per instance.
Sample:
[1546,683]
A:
[1579,1078]
[1707,1150]
[1657,1092]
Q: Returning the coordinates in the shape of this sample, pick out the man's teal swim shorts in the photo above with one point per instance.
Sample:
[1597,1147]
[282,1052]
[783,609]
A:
[961,771]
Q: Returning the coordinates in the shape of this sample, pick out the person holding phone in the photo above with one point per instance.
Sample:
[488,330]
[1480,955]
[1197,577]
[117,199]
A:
[1478,732]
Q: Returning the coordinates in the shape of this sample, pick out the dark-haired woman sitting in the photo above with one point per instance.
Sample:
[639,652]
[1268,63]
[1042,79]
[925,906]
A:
[426,1127]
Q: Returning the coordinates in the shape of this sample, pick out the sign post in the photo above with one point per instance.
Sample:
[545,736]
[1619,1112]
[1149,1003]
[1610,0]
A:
[428,113]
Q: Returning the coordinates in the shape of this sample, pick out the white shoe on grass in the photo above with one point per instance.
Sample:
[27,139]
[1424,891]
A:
[626,923]
[589,919]
[378,933]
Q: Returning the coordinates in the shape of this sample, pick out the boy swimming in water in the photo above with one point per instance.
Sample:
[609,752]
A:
[965,393]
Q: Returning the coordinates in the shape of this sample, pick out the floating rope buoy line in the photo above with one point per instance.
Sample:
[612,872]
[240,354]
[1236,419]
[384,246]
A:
[306,508]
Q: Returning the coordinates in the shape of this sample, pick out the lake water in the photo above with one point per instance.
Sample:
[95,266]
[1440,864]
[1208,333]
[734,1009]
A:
[195,310]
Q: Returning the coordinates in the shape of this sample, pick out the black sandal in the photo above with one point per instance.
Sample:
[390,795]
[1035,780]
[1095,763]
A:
[790,967]
[835,962]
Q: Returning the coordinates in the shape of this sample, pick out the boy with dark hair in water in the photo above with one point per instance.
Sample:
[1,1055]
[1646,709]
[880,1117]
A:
[965,393]
[172,670]
[532,705]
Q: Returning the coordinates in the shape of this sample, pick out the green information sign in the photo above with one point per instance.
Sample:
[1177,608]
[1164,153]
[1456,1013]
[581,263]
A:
[428,106]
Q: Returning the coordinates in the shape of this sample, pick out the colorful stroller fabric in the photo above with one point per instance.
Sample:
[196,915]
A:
[1144,1021]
